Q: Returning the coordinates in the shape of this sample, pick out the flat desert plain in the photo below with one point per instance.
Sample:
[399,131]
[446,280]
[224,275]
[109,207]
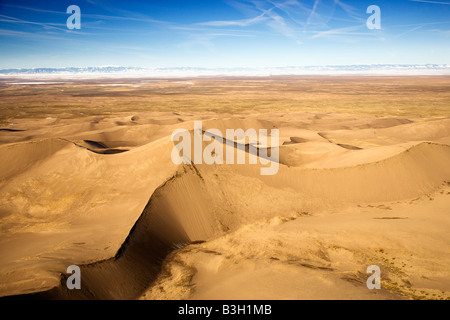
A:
[87,179]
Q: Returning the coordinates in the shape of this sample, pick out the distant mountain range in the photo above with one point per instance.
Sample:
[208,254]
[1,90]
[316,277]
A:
[117,71]
[107,69]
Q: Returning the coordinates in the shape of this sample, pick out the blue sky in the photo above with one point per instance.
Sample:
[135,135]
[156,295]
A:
[228,33]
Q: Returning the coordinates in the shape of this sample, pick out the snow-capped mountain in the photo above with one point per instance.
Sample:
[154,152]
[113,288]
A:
[118,71]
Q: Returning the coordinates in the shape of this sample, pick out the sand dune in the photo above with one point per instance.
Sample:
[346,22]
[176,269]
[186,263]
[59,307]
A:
[102,192]
[418,131]
[175,217]
[163,226]
[17,158]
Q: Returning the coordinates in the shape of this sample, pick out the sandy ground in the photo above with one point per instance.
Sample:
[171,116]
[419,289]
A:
[353,189]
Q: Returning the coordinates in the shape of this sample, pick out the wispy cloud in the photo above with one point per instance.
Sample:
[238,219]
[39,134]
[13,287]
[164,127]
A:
[240,23]
[435,2]
[33,35]
[290,18]
[265,14]
[59,28]
[293,18]
[293,9]
[279,24]
[313,14]
[411,30]
[340,31]
[46,25]
[127,17]
[33,9]
[351,11]
[444,32]
[421,24]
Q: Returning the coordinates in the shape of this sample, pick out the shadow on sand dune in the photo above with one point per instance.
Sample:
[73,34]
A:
[172,219]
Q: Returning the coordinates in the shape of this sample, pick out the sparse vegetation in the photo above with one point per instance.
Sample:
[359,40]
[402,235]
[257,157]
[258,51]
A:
[402,96]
